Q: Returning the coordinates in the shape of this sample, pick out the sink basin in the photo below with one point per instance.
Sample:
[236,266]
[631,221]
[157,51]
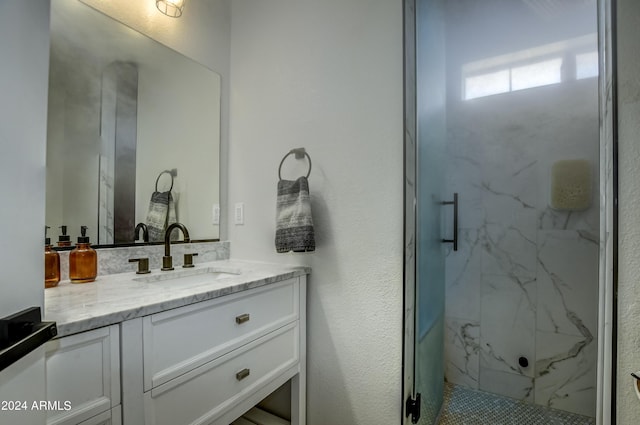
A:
[188,276]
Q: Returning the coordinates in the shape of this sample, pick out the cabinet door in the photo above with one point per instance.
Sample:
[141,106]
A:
[83,375]
[21,385]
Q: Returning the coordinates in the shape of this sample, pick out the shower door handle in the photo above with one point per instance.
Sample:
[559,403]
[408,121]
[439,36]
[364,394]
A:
[454,241]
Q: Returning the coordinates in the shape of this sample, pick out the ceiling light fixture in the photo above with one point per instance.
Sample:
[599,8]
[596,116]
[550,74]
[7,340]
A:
[171,8]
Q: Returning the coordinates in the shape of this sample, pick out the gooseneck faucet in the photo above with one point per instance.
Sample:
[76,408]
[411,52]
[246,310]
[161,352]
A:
[167,261]
[145,232]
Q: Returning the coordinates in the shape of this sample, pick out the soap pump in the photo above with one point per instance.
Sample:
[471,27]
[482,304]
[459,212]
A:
[64,239]
[51,263]
[83,260]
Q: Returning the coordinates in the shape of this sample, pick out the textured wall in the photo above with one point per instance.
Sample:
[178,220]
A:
[327,75]
[24,46]
[629,208]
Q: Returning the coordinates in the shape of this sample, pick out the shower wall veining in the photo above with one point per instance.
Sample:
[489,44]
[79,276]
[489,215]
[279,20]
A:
[524,282]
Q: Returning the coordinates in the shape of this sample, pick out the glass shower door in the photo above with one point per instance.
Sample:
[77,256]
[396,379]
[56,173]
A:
[435,228]
[430,286]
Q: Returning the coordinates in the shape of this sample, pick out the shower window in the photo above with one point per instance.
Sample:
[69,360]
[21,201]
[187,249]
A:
[536,67]
[487,84]
[536,74]
[586,65]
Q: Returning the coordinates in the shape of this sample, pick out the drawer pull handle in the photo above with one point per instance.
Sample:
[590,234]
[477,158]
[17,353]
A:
[242,318]
[243,374]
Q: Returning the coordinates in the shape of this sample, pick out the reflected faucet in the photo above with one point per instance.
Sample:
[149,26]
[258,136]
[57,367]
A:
[167,261]
[145,232]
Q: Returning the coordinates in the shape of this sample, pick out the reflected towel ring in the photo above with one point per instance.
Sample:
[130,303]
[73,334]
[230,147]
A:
[173,173]
[300,153]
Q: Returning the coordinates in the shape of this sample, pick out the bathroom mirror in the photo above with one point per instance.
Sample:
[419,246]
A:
[123,109]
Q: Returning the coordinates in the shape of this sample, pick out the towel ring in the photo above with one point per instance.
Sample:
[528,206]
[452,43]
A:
[172,173]
[300,153]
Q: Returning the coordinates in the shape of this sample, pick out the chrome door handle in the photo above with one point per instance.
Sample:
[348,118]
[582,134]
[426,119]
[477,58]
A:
[454,241]
[243,374]
[242,318]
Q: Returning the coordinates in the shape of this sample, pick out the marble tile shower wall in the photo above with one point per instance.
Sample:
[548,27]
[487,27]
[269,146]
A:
[525,279]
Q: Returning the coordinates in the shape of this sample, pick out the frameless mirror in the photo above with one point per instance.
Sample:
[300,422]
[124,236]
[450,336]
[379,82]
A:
[127,117]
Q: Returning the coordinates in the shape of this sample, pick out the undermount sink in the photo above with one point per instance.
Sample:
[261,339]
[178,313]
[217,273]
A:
[188,276]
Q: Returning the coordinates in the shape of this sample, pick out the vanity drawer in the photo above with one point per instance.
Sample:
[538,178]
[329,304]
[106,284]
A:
[206,393]
[83,370]
[179,340]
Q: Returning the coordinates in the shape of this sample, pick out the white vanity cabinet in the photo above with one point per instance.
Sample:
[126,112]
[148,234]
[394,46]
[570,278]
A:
[83,378]
[179,340]
[209,362]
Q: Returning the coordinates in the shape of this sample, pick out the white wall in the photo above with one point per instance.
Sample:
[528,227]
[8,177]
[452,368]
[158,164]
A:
[202,33]
[24,48]
[629,208]
[327,76]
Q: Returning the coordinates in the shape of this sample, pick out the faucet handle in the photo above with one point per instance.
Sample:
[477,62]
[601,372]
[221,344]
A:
[143,265]
[188,260]
[167,263]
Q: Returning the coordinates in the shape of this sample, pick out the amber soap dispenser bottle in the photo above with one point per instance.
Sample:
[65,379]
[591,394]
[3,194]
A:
[51,263]
[83,260]
[64,239]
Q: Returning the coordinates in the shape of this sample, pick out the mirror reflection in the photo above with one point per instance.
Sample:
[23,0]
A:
[133,132]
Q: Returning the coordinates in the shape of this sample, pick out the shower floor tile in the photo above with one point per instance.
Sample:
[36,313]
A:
[463,406]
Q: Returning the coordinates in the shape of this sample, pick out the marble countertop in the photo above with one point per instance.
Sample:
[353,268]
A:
[118,297]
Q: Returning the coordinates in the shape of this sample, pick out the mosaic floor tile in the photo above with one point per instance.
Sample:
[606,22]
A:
[463,406]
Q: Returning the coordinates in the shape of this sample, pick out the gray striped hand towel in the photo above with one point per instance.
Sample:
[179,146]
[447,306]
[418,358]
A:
[294,226]
[161,213]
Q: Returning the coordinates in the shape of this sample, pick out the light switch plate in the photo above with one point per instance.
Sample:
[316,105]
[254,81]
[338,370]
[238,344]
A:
[215,214]
[239,213]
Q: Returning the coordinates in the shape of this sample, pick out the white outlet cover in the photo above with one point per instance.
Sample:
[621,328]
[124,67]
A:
[239,213]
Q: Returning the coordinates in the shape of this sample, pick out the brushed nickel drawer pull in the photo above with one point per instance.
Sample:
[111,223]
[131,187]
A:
[242,318]
[242,374]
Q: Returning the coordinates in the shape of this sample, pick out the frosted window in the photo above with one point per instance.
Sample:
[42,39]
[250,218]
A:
[536,66]
[536,75]
[586,65]
[486,84]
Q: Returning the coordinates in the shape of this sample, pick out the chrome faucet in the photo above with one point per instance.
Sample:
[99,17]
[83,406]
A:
[145,232]
[167,261]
